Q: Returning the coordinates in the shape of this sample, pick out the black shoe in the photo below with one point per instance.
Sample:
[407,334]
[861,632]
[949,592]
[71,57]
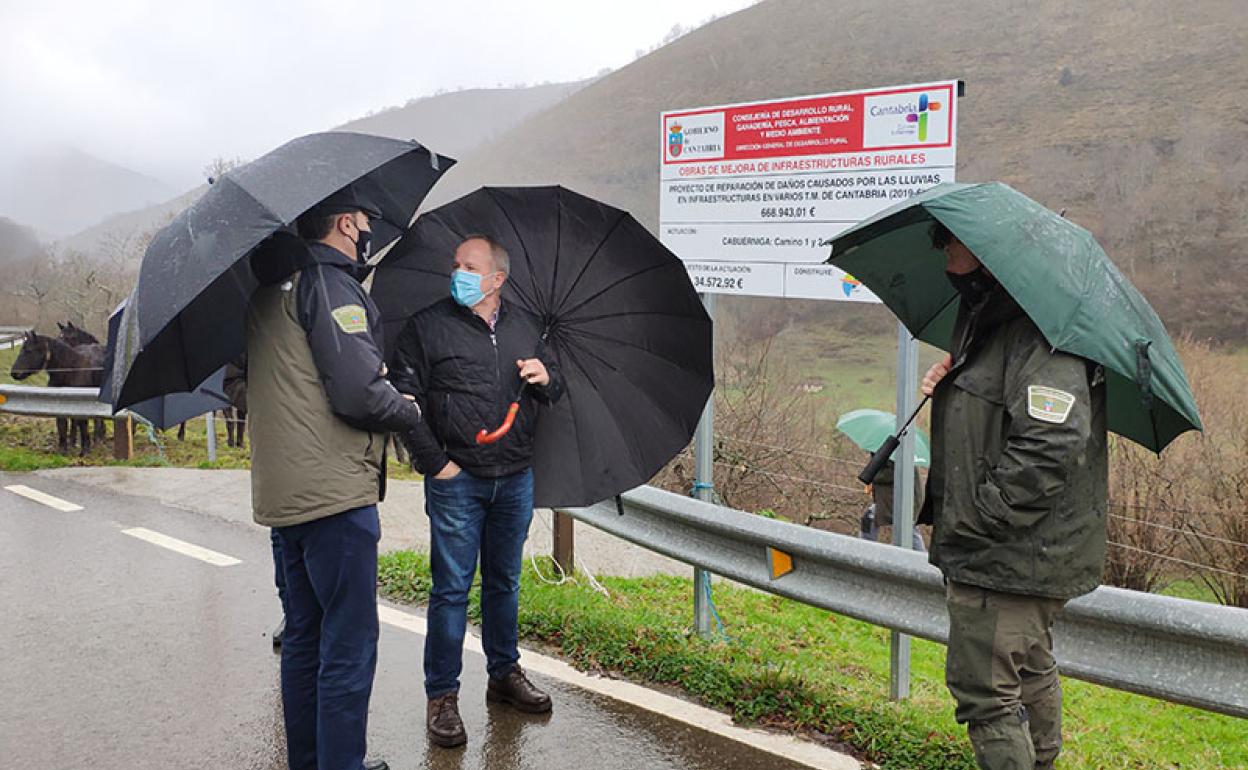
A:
[278,633]
[516,689]
[375,764]
[445,727]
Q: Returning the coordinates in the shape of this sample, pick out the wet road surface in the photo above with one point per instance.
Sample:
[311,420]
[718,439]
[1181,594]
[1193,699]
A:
[121,653]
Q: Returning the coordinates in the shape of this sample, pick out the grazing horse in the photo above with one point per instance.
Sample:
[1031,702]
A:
[77,337]
[67,367]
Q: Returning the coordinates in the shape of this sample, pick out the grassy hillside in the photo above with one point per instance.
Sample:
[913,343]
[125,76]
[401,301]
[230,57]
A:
[1127,113]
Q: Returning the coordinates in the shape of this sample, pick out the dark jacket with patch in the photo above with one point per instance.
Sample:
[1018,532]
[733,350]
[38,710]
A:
[1018,483]
[319,405]
[464,375]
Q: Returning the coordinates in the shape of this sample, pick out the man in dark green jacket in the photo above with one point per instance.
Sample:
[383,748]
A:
[1016,494]
[320,410]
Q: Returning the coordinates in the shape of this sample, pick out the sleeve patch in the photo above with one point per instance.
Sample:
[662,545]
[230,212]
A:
[1049,404]
[352,319]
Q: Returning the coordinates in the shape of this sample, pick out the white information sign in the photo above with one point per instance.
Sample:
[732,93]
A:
[751,194]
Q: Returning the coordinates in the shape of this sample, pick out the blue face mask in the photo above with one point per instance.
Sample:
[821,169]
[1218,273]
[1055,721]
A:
[466,288]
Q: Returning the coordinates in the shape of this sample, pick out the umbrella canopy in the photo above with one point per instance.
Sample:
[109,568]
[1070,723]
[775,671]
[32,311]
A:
[1057,273]
[869,428]
[173,408]
[184,319]
[622,322]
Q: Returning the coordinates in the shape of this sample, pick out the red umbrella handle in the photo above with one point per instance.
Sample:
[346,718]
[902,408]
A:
[489,437]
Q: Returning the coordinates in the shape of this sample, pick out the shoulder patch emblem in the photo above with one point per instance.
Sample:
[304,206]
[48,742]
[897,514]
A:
[352,319]
[1049,404]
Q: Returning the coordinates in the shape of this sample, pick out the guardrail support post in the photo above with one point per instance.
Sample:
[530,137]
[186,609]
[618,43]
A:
[211,417]
[563,545]
[123,438]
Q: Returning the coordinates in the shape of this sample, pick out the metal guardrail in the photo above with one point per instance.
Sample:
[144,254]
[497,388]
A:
[36,401]
[11,335]
[1174,649]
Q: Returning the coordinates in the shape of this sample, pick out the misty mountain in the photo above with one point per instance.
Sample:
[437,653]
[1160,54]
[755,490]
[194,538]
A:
[62,190]
[453,124]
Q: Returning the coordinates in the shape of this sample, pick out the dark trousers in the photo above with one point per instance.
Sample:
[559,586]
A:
[470,516]
[329,650]
[279,569]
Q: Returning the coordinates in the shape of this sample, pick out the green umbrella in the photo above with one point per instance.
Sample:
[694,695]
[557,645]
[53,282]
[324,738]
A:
[869,428]
[1057,273]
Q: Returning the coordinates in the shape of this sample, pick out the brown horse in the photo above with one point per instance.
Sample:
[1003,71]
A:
[67,367]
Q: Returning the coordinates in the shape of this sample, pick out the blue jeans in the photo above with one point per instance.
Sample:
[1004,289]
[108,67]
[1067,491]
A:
[470,516]
[329,650]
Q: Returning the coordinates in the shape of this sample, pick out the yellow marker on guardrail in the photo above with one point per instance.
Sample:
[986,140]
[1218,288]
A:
[3,398]
[779,563]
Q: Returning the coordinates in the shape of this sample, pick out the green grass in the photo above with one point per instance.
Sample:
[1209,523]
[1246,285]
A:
[797,668]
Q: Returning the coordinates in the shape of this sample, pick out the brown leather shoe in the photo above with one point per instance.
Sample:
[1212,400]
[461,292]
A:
[445,727]
[517,690]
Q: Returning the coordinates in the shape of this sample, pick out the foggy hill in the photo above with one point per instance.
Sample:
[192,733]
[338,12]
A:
[63,190]
[1128,113]
[453,124]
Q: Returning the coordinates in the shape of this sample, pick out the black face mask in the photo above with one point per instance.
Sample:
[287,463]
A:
[364,246]
[973,286]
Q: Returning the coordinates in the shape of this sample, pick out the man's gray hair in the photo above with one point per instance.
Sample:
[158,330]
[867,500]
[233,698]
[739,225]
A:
[502,261]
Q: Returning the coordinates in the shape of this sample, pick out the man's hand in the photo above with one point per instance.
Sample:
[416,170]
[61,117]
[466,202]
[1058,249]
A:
[449,471]
[533,371]
[935,375]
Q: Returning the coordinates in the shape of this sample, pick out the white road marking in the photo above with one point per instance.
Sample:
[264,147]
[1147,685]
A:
[182,547]
[792,749]
[44,498]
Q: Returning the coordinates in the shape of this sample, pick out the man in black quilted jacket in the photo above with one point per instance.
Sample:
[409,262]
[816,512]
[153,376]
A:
[463,359]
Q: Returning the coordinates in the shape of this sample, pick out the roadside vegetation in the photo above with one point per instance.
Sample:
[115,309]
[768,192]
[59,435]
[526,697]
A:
[783,665]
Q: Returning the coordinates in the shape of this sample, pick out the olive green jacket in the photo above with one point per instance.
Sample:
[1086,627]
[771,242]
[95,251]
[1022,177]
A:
[1018,482]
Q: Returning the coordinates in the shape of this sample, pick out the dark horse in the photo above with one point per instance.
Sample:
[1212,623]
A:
[78,337]
[80,367]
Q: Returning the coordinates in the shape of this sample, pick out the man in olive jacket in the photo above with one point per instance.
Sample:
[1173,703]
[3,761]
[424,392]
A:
[320,410]
[1017,496]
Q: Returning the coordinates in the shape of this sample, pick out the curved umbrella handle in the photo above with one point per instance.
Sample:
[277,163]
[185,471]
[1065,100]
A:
[489,437]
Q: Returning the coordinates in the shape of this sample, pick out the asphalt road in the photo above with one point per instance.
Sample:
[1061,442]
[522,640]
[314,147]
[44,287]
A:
[120,652]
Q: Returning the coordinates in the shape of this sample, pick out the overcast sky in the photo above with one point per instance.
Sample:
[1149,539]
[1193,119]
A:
[164,86]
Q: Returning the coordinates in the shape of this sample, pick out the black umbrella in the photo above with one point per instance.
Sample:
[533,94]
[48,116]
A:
[184,319]
[622,322]
[172,408]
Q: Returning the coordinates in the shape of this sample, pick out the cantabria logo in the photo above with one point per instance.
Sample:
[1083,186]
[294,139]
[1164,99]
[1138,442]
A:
[675,140]
[850,284]
[920,116]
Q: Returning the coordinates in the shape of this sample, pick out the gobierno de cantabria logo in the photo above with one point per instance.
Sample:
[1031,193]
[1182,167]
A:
[675,140]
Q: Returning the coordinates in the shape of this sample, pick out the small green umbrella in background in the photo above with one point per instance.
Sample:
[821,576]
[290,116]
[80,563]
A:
[1057,273]
[869,428]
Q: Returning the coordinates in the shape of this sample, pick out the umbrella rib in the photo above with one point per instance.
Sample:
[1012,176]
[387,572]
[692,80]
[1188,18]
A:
[934,316]
[623,374]
[589,261]
[634,461]
[605,289]
[624,343]
[527,259]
